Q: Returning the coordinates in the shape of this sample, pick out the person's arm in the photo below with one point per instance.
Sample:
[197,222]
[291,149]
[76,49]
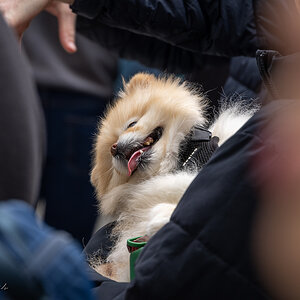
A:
[213,27]
[226,28]
[151,52]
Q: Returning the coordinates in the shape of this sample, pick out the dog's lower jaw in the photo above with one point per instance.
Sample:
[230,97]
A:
[119,167]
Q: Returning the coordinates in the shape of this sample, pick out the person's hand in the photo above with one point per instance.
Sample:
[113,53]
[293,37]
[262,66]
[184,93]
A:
[66,24]
[19,13]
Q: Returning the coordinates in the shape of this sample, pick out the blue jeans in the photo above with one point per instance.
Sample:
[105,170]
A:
[36,261]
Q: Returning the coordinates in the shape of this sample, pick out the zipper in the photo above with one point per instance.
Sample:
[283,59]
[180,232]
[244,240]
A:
[264,58]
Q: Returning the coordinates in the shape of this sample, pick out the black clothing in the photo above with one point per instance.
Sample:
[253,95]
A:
[101,243]
[194,38]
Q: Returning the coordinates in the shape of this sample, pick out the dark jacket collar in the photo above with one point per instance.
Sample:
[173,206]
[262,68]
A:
[280,74]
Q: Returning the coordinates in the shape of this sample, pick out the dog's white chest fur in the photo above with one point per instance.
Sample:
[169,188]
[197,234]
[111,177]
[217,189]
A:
[148,208]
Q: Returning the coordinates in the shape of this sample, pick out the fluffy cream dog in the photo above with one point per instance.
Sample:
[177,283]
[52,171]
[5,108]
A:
[135,171]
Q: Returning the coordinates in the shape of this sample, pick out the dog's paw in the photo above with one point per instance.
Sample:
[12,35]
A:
[158,216]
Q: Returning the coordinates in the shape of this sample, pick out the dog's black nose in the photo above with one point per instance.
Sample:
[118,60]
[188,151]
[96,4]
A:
[114,149]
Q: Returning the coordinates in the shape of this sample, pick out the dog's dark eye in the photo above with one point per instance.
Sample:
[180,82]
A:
[131,124]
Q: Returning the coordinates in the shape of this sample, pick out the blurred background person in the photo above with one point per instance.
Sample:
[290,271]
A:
[276,226]
[74,90]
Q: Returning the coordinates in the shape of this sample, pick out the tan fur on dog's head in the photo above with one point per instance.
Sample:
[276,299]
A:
[147,103]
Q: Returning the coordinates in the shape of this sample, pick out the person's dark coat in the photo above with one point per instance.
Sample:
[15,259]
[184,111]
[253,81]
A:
[195,37]
[169,35]
[174,35]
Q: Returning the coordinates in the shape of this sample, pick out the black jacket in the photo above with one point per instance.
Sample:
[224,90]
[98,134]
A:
[195,37]
[176,34]
[171,35]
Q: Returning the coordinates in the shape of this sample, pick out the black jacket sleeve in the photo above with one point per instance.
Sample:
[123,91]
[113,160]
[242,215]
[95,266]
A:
[223,27]
[147,50]
[179,30]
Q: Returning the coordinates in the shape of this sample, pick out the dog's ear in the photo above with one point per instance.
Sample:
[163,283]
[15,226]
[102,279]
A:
[140,80]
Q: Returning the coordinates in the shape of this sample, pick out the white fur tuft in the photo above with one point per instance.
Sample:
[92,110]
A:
[230,119]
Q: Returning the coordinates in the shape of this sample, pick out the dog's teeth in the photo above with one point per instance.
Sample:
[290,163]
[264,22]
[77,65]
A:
[149,140]
[141,151]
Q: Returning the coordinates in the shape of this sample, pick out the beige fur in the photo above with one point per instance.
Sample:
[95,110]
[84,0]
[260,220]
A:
[143,202]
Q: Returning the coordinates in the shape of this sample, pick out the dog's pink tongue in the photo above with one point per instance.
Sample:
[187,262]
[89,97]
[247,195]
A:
[134,159]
